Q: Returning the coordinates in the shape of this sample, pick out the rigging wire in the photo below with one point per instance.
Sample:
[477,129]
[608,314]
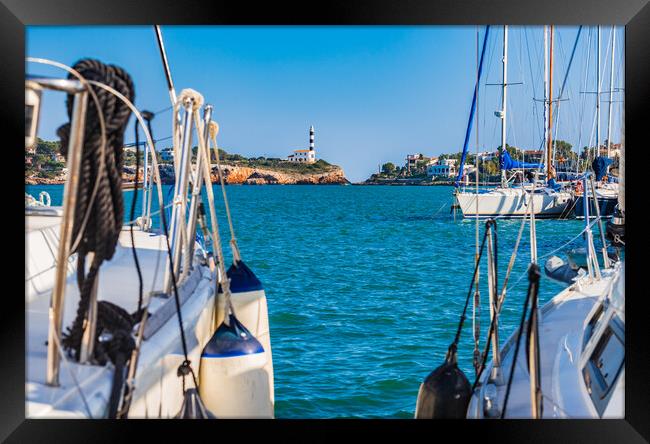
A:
[132,215]
[533,286]
[185,368]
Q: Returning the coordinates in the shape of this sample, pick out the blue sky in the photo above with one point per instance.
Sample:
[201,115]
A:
[373,94]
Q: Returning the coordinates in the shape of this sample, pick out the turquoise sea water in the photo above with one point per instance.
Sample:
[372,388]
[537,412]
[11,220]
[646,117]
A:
[365,286]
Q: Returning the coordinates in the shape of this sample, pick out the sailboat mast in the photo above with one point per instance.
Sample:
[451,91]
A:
[504,98]
[598,97]
[546,89]
[611,95]
[549,136]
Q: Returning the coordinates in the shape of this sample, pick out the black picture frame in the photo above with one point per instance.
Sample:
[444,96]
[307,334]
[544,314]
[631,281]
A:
[634,14]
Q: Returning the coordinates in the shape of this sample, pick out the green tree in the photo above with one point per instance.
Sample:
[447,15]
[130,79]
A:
[490,167]
[388,168]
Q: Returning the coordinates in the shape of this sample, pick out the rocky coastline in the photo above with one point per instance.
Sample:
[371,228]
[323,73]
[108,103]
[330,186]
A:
[235,175]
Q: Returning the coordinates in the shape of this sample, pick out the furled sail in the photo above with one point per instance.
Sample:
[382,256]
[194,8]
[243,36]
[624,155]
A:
[599,165]
[508,163]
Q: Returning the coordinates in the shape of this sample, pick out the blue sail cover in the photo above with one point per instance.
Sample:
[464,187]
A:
[472,110]
[599,165]
[507,163]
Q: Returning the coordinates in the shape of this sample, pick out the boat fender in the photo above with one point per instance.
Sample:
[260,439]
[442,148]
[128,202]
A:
[445,393]
[242,278]
[556,269]
[233,382]
[193,407]
[616,229]
[231,339]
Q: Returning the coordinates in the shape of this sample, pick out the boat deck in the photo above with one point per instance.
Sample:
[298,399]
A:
[118,283]
[560,341]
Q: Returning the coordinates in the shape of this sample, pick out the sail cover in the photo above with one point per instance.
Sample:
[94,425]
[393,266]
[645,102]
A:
[508,163]
[599,165]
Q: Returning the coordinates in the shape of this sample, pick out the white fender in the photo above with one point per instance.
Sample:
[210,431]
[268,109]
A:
[234,382]
[249,301]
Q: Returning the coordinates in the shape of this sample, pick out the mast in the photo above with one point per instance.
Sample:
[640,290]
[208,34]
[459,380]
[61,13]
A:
[477,295]
[504,98]
[549,141]
[546,89]
[472,112]
[611,95]
[598,97]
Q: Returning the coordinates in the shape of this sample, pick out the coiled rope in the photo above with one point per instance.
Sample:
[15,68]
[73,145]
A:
[98,216]
[100,232]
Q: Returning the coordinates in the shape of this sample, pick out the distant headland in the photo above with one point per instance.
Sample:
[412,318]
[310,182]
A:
[44,164]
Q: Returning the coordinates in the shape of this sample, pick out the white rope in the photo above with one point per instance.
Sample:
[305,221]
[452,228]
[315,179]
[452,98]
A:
[584,230]
[214,130]
[444,205]
[136,221]
[511,264]
[222,276]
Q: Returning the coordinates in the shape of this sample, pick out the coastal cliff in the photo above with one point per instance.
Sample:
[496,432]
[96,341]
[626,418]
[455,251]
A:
[44,165]
[262,176]
[236,175]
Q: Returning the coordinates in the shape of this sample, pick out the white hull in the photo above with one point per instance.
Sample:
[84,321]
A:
[512,203]
[84,389]
[569,343]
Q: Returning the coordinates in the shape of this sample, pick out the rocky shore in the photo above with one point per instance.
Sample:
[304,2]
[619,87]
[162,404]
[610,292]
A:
[260,176]
[237,175]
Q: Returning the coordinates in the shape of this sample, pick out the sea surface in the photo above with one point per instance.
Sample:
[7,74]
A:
[365,287]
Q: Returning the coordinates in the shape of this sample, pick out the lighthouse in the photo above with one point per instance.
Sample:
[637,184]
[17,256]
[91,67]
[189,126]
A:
[311,138]
[306,156]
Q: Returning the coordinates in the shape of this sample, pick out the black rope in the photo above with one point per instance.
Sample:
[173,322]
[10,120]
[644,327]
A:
[106,212]
[132,215]
[100,233]
[494,318]
[185,368]
[532,326]
[533,288]
[471,285]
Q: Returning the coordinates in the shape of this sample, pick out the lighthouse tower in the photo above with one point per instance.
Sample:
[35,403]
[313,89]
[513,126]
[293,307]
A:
[311,138]
[306,156]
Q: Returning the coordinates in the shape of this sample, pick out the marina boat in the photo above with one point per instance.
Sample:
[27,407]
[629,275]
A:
[605,192]
[548,201]
[512,202]
[566,359]
[124,320]
[606,196]
[580,363]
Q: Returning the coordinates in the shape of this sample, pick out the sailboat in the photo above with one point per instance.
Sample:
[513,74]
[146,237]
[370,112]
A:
[510,201]
[566,359]
[140,305]
[606,192]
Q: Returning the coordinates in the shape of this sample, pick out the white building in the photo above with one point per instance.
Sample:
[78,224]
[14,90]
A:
[412,159]
[486,155]
[306,156]
[444,168]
